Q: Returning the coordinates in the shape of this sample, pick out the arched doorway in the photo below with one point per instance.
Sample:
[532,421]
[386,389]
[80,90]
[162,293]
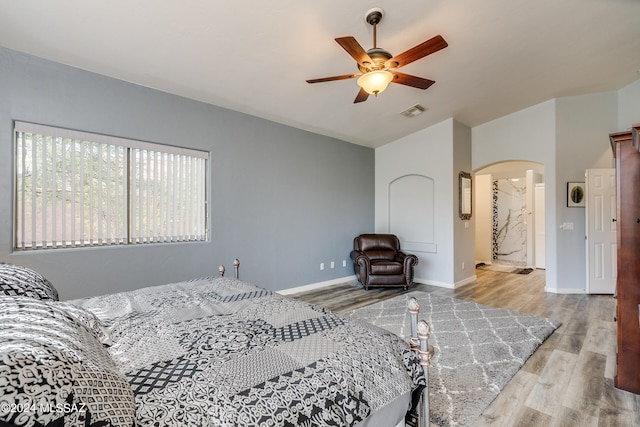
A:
[510,220]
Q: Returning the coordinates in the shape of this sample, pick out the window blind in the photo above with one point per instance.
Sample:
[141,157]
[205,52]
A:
[76,189]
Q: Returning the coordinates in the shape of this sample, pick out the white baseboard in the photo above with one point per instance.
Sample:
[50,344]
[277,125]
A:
[463,282]
[312,286]
[434,283]
[466,281]
[571,291]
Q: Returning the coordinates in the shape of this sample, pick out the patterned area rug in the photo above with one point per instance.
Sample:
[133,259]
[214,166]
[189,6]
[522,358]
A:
[478,349]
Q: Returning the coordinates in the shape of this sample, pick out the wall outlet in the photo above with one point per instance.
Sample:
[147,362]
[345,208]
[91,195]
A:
[344,262]
[463,265]
[333,264]
[322,266]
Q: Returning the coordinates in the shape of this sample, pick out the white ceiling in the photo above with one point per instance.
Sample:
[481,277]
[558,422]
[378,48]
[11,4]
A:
[254,56]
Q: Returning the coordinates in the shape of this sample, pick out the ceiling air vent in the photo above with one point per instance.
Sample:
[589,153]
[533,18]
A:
[416,110]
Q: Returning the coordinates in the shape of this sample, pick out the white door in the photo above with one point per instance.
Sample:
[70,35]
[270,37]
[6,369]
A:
[600,210]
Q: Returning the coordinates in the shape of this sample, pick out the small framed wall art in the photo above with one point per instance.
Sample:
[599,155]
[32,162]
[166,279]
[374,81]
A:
[575,194]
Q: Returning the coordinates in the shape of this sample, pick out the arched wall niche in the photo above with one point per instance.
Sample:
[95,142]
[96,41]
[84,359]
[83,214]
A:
[411,212]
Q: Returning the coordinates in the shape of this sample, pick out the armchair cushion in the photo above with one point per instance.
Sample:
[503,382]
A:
[387,267]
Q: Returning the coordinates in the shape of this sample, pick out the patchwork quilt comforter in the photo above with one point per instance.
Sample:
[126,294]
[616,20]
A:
[220,351]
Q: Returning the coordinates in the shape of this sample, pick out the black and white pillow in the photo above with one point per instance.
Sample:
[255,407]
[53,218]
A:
[86,318]
[54,370]
[16,280]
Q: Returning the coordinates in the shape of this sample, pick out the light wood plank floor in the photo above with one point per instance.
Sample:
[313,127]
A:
[567,382]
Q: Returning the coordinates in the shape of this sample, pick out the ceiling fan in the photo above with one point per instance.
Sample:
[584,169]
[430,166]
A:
[378,67]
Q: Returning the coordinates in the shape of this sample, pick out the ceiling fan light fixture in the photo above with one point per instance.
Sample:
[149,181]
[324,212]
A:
[375,82]
[374,64]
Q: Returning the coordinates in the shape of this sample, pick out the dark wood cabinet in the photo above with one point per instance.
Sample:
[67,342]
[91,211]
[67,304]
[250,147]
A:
[628,281]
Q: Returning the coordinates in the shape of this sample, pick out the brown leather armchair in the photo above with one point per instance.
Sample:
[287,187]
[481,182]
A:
[379,262]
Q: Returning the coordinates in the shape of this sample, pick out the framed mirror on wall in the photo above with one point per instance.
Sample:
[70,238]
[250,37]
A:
[464,194]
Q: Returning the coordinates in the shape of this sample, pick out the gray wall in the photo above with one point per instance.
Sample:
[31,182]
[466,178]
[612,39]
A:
[439,152]
[526,135]
[567,135]
[428,152]
[464,232]
[283,200]
[583,125]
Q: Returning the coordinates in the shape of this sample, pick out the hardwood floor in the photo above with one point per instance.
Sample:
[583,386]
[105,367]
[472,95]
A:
[568,381]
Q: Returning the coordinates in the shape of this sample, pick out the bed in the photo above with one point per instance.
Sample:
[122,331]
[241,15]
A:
[214,351]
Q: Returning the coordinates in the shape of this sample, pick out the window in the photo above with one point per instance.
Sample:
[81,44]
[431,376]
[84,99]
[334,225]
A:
[77,189]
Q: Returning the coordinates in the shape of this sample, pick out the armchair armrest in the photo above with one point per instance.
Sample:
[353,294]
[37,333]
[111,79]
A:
[360,259]
[408,261]
[406,258]
[400,256]
[361,266]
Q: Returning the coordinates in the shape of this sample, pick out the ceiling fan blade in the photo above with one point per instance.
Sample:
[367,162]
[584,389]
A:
[413,81]
[428,47]
[362,96]
[330,79]
[354,49]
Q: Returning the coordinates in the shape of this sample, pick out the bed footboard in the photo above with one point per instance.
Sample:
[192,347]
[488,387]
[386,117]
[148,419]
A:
[419,342]
[236,268]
